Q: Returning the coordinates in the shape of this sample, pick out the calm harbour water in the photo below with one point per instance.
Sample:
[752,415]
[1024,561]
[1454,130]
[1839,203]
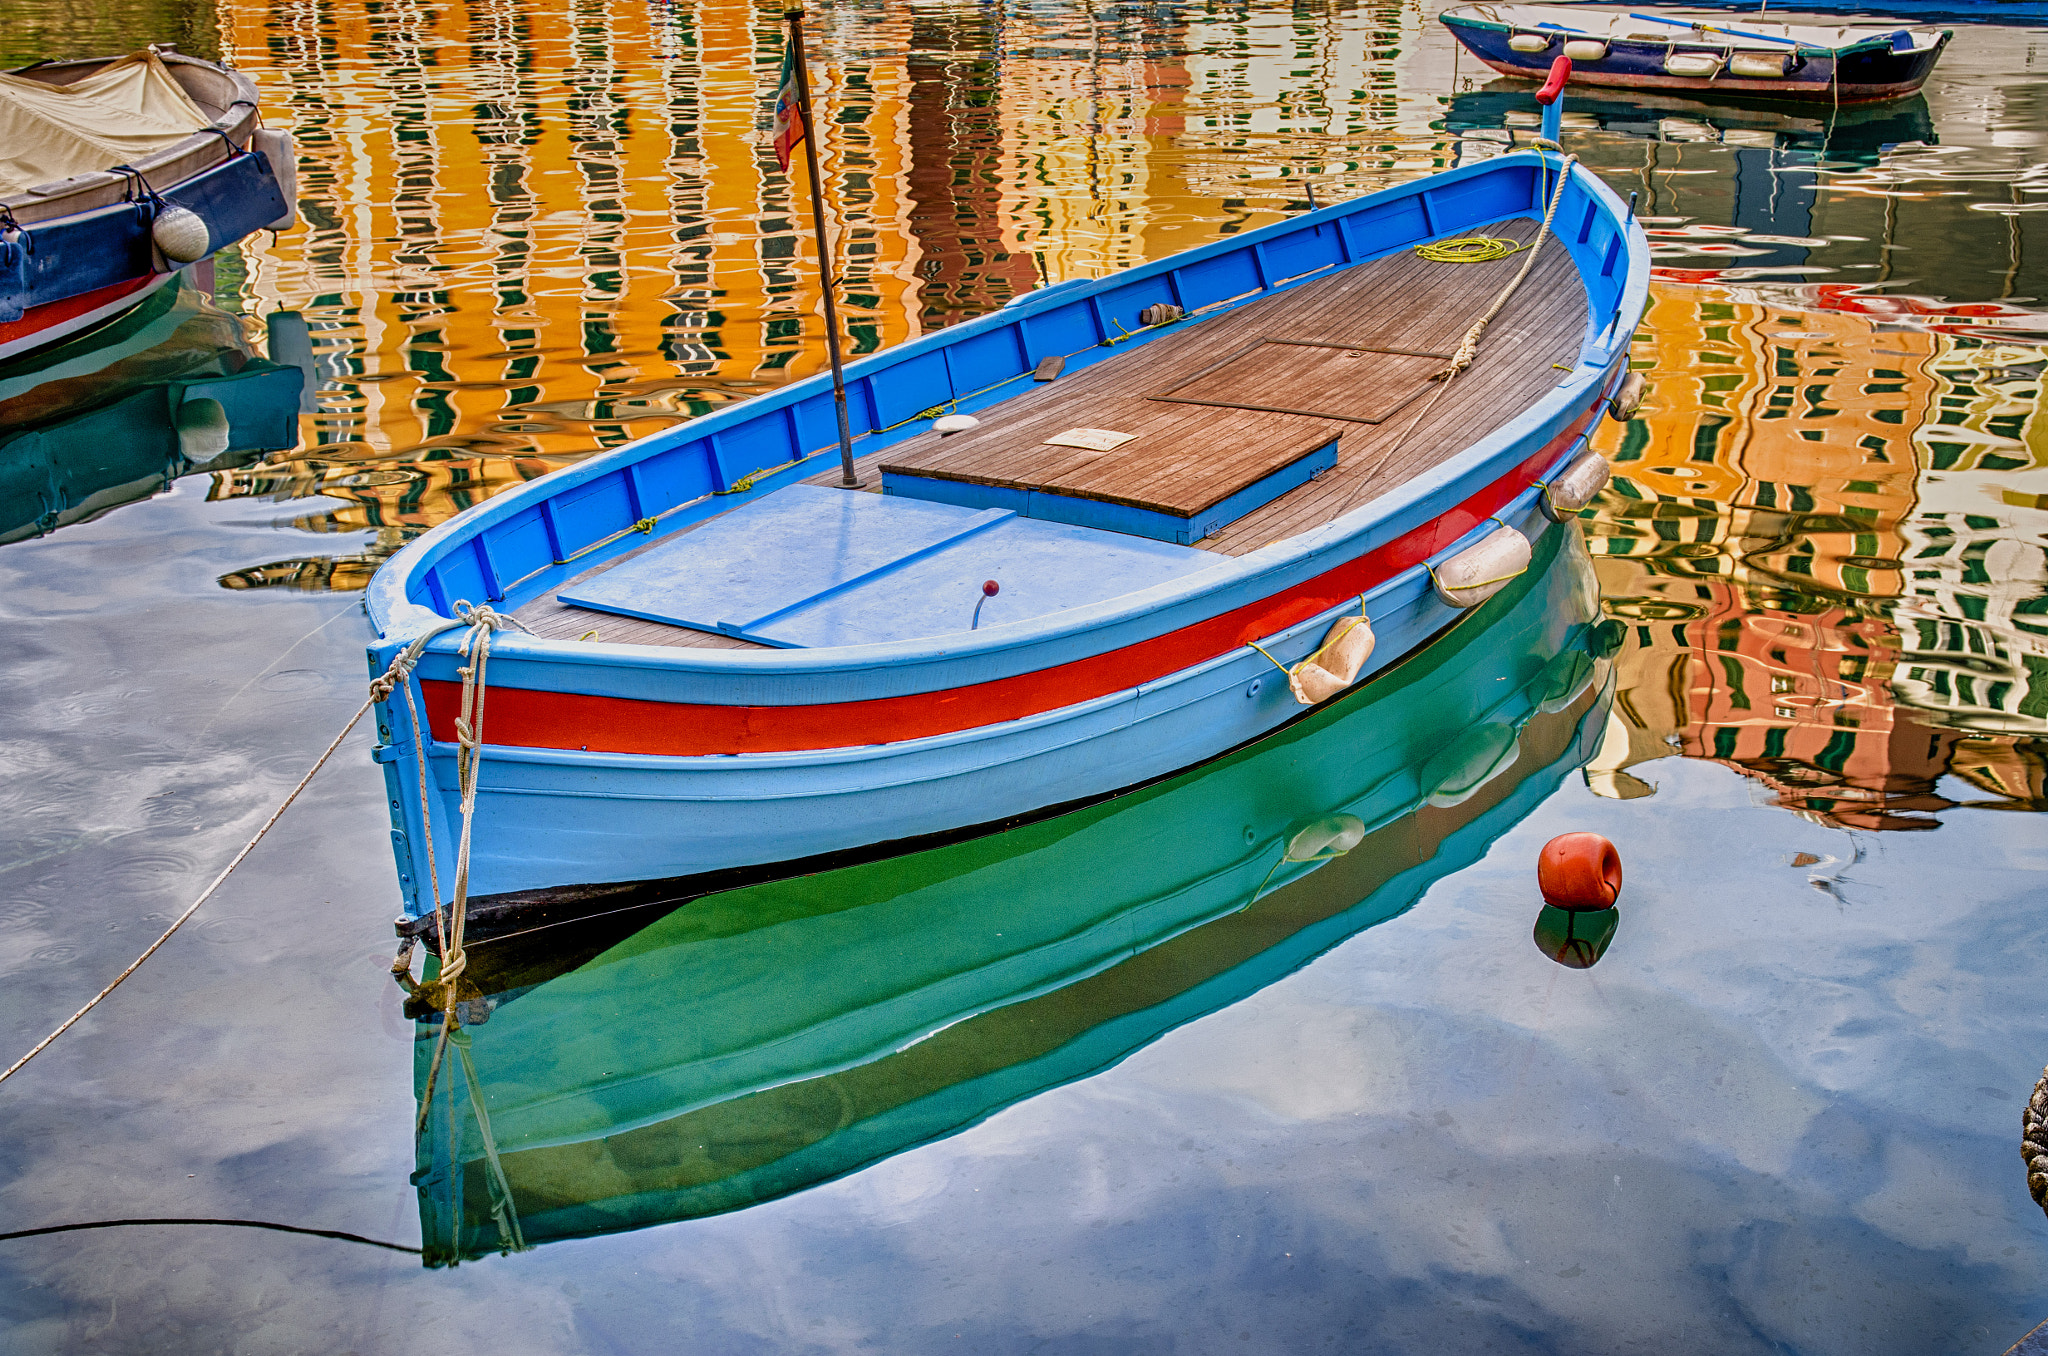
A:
[1365,1112]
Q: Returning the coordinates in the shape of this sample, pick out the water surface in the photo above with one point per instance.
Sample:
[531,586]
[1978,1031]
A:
[1779,1113]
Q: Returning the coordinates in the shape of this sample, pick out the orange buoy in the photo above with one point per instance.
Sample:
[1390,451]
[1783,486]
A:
[1579,871]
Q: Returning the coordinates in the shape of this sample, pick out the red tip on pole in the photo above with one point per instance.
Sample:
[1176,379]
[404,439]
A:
[991,588]
[1579,871]
[1560,71]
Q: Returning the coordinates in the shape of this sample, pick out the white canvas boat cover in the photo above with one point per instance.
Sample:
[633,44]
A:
[126,111]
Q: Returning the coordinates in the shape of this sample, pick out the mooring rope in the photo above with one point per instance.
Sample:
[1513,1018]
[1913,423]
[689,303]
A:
[1468,347]
[481,621]
[338,1234]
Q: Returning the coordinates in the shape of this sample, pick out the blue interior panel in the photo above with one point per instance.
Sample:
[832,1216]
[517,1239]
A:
[811,566]
[1039,568]
[744,567]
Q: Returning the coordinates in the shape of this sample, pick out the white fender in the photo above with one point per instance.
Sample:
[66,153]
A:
[1475,758]
[1585,49]
[1574,487]
[1330,836]
[283,156]
[203,430]
[1482,569]
[1759,65]
[1627,398]
[181,234]
[1335,666]
[1528,42]
[1693,65]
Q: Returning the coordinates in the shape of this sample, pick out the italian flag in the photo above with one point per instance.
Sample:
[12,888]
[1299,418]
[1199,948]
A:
[789,123]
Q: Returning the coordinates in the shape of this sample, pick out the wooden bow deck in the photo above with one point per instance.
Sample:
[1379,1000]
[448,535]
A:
[1345,357]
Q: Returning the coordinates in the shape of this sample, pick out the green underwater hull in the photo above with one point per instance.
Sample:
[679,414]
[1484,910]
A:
[762,1040]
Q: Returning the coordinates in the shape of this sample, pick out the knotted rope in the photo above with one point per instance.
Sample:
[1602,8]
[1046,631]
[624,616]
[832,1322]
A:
[481,621]
[1468,347]
[469,751]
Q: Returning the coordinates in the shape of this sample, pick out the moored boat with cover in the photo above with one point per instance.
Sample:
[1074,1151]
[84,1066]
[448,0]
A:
[116,174]
[1111,531]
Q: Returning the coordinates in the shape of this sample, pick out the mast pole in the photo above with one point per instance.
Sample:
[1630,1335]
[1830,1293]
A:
[794,18]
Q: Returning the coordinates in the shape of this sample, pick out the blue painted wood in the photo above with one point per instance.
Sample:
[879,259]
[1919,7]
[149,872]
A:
[89,250]
[558,816]
[794,547]
[1053,507]
[1041,568]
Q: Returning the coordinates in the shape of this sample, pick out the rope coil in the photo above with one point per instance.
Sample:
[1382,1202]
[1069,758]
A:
[1470,249]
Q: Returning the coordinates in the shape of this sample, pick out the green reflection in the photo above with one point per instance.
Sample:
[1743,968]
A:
[169,389]
[759,1041]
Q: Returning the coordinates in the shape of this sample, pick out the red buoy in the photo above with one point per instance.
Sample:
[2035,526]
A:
[1579,871]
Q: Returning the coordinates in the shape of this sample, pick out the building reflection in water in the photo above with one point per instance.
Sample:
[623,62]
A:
[1826,535]
[757,1041]
[533,232]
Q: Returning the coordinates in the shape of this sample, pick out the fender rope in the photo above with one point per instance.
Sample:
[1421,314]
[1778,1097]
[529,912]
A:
[479,620]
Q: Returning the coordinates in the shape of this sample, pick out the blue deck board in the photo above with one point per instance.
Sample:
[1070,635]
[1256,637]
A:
[809,567]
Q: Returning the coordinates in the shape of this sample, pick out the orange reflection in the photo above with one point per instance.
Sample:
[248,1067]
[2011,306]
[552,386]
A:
[1769,538]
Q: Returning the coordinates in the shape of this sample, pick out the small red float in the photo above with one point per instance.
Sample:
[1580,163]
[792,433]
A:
[1579,871]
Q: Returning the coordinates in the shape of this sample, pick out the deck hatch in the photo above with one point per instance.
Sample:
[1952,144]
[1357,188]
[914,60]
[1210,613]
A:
[1355,383]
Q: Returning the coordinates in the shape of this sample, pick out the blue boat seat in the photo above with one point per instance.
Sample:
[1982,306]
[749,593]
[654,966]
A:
[809,566]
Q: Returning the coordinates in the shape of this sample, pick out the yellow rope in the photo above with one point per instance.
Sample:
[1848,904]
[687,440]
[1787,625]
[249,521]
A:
[1469,249]
[1335,636]
[1269,654]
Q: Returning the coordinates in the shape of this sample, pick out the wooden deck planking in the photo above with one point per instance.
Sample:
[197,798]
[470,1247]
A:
[1401,301]
[1189,457]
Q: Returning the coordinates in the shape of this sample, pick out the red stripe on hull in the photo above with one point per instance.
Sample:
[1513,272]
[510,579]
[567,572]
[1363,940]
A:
[535,719]
[52,320]
[1777,89]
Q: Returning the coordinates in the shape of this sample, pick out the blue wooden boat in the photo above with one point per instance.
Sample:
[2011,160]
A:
[758,1041]
[1713,54]
[87,232]
[1187,481]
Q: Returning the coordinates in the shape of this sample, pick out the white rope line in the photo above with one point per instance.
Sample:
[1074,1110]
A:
[481,621]
[193,908]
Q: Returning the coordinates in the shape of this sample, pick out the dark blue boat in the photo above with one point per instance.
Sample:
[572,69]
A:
[1736,55]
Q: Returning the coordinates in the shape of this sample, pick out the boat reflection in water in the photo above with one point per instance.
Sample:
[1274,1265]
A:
[109,417]
[761,1040]
[1855,132]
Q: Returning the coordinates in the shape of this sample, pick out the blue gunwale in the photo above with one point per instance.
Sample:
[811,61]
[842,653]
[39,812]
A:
[535,526]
